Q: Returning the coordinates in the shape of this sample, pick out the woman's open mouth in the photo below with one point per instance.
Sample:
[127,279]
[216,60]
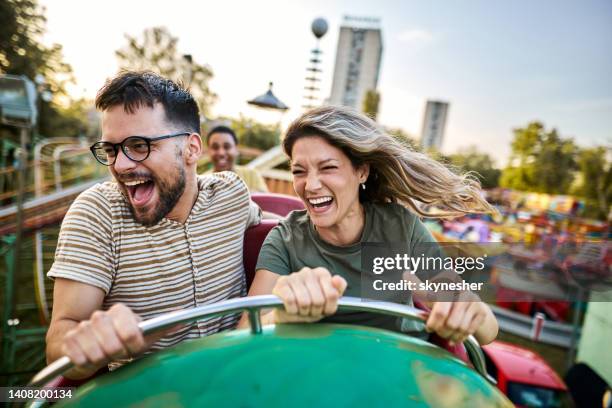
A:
[320,204]
[140,191]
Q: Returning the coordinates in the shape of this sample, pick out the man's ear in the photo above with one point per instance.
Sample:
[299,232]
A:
[193,148]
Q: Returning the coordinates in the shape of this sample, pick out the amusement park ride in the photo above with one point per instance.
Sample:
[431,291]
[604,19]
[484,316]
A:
[298,365]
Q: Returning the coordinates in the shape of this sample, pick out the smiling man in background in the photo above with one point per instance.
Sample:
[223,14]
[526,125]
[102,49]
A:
[158,238]
[223,151]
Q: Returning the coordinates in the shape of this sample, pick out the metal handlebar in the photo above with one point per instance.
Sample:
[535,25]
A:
[253,305]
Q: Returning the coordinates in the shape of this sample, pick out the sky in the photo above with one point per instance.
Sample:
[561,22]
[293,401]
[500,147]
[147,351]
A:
[500,64]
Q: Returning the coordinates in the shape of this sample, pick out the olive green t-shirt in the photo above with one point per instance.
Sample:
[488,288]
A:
[295,244]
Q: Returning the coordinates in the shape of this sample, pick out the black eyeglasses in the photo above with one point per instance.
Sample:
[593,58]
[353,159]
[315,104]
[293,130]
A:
[135,148]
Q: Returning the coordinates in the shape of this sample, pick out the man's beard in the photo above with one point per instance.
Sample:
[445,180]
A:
[169,195]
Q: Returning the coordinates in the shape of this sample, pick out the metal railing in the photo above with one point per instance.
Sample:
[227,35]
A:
[253,306]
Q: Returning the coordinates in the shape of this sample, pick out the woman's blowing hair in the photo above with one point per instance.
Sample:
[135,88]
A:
[397,172]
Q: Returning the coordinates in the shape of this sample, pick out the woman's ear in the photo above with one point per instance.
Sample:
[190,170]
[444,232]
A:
[193,148]
[364,172]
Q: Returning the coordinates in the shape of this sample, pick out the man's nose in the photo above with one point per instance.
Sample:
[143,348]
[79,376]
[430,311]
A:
[123,164]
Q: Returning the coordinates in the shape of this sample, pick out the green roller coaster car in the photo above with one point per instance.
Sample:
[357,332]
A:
[296,365]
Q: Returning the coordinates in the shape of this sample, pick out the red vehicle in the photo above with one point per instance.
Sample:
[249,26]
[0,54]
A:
[525,377]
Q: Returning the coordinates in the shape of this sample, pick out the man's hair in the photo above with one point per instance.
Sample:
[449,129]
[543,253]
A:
[135,89]
[222,129]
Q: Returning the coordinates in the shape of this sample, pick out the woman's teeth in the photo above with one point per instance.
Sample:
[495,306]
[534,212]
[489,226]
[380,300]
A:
[319,200]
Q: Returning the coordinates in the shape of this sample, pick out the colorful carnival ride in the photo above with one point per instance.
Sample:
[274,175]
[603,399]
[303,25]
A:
[330,361]
[313,364]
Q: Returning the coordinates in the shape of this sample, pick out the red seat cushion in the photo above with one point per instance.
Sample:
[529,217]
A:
[280,204]
[253,240]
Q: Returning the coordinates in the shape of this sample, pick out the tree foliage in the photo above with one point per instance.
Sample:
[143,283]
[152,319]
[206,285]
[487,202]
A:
[540,161]
[252,133]
[471,160]
[371,103]
[22,25]
[403,137]
[156,50]
[594,181]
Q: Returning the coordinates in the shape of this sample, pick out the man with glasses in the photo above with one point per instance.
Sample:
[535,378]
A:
[158,238]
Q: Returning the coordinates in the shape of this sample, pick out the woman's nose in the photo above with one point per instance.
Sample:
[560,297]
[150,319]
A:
[312,182]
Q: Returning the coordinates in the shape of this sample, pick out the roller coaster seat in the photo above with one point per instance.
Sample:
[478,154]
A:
[280,204]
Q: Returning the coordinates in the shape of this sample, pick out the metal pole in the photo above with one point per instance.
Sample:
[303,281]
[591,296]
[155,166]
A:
[7,316]
[571,353]
[12,321]
[23,158]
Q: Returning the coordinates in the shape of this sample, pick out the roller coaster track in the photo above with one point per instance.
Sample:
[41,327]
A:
[42,211]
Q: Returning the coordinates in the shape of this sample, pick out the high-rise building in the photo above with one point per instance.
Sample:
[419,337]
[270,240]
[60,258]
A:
[434,122]
[357,61]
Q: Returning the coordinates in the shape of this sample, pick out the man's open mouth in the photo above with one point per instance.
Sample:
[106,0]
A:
[140,191]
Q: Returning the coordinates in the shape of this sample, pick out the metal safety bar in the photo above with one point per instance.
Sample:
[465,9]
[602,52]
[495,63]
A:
[253,306]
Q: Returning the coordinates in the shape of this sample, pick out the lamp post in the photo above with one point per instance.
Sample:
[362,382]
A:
[319,28]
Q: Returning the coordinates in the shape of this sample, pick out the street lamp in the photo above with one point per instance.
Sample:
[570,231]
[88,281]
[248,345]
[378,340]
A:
[268,101]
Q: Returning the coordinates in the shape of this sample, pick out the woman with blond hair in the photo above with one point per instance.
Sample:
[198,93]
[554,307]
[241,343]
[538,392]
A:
[359,185]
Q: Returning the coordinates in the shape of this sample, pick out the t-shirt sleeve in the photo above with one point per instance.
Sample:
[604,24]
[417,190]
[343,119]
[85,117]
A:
[422,243]
[84,250]
[230,181]
[273,255]
[254,214]
[420,233]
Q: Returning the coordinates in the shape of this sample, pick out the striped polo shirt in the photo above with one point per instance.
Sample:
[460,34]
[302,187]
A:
[165,267]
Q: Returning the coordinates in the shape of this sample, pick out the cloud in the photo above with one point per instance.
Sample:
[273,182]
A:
[415,36]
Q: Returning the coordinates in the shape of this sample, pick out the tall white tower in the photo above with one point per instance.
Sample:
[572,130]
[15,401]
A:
[357,61]
[434,122]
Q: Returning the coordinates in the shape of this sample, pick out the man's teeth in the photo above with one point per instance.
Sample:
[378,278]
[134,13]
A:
[319,200]
[135,182]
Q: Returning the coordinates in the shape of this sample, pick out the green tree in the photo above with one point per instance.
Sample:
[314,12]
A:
[471,160]
[540,161]
[156,50]
[594,181]
[254,134]
[371,102]
[22,25]
[403,137]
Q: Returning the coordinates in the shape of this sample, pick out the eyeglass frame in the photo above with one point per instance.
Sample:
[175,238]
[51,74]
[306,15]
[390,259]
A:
[121,144]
